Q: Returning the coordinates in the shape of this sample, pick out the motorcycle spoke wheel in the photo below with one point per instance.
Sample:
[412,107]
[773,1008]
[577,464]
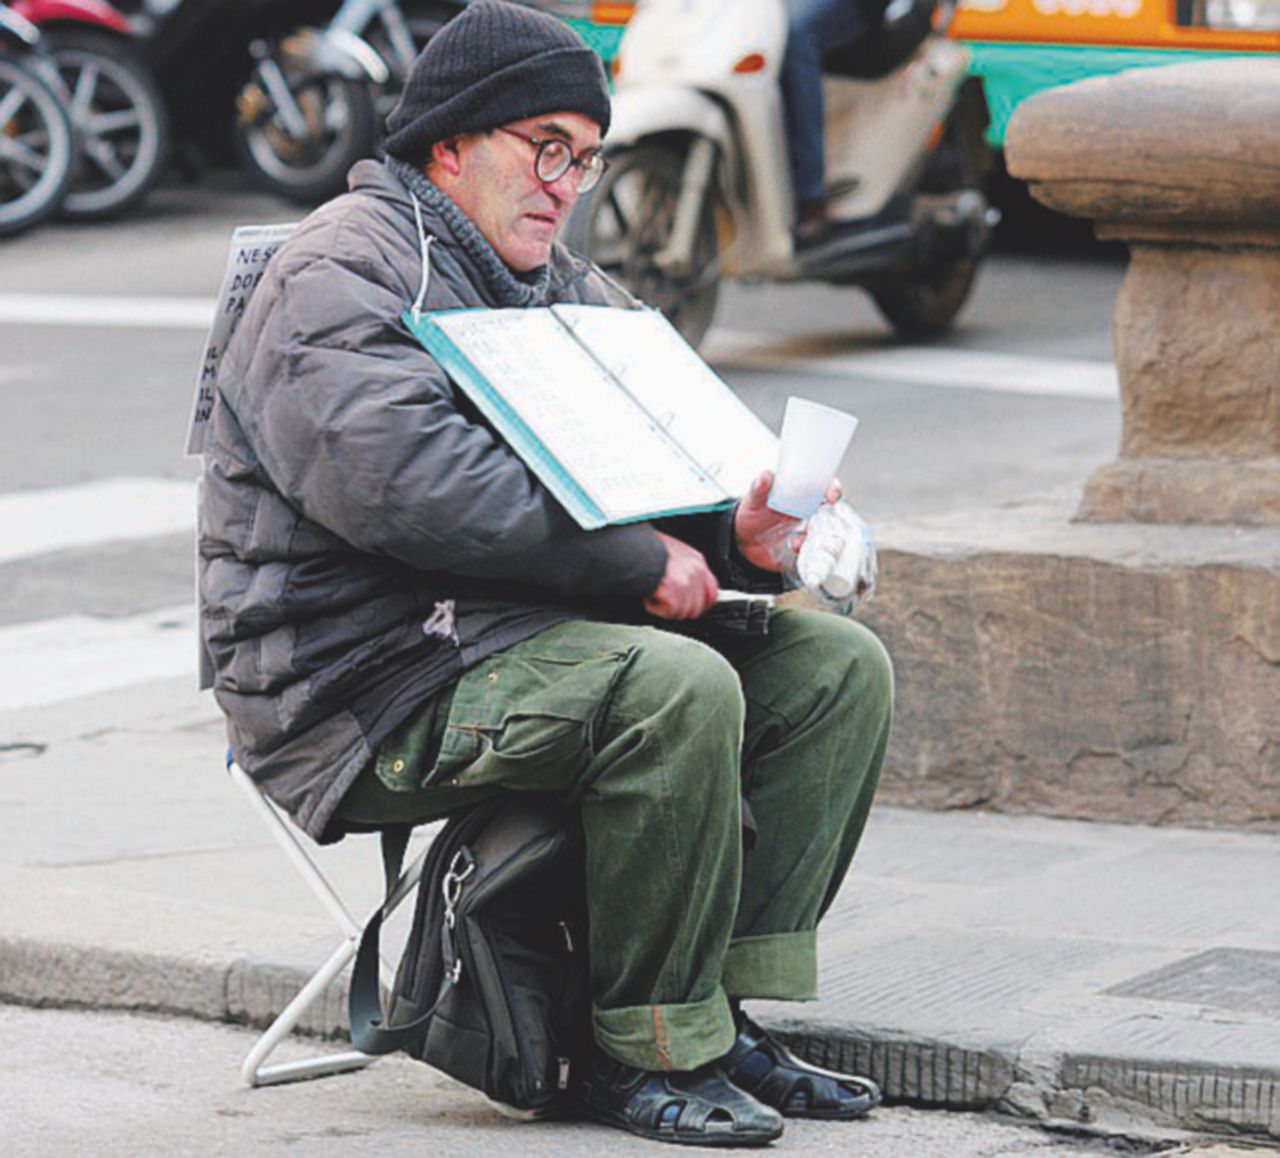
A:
[120,120]
[626,222]
[36,149]
[341,127]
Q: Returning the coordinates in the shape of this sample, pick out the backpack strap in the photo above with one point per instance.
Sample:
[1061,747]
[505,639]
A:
[364,1003]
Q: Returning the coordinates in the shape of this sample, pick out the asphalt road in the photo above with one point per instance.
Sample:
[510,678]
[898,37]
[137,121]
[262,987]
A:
[102,327]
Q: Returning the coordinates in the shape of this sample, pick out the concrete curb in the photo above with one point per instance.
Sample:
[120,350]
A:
[1131,1095]
[1113,1093]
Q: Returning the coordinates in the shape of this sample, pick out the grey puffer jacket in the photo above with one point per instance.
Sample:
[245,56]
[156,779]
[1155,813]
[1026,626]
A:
[364,536]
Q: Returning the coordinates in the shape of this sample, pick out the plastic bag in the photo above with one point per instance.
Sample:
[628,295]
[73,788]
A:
[836,563]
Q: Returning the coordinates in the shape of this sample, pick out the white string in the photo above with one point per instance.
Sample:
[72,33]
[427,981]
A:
[425,239]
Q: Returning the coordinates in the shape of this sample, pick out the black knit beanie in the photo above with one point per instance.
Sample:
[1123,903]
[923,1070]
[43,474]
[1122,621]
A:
[494,63]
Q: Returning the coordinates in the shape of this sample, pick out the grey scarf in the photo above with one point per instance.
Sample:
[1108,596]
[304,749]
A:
[510,289]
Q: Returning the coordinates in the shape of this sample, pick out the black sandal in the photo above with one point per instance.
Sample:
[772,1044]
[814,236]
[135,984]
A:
[775,1076]
[691,1108]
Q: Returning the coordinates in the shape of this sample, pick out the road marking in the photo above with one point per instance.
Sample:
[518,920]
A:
[930,366]
[17,375]
[35,522]
[78,655]
[155,313]
[949,368]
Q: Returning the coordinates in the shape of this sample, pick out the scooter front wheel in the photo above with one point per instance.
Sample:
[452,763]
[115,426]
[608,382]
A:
[925,304]
[625,224]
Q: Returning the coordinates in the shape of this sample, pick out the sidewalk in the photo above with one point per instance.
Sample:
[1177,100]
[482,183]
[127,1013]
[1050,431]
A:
[1125,978]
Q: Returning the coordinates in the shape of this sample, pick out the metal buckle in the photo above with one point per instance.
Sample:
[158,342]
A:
[451,887]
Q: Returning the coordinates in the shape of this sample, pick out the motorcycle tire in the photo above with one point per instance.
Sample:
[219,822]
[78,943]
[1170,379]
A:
[926,304]
[37,148]
[342,128]
[120,119]
[627,219]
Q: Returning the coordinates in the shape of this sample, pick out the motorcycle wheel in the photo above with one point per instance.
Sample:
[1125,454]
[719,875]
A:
[342,127]
[926,305]
[626,220]
[37,148]
[120,120]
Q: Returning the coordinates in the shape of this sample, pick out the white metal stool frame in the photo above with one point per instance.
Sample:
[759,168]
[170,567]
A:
[254,1071]
[251,247]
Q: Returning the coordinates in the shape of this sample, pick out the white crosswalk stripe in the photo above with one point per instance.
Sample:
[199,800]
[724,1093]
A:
[944,368]
[78,655]
[111,510]
[59,659]
[159,313]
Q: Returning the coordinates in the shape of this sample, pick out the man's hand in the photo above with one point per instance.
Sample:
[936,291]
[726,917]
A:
[688,587]
[758,528]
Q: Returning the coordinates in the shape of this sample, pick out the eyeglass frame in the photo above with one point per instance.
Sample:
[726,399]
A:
[540,145]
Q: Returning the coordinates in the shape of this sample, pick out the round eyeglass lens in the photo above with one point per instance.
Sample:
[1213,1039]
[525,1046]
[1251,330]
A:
[592,170]
[553,160]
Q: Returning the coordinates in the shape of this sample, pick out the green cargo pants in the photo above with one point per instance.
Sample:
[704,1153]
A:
[660,733]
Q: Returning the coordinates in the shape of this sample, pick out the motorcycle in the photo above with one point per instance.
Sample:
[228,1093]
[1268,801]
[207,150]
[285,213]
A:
[317,98]
[115,104]
[698,190]
[37,140]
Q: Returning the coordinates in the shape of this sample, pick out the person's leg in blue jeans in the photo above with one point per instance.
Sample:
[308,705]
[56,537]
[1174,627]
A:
[814,27]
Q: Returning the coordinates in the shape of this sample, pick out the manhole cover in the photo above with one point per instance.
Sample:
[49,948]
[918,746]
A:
[1244,980]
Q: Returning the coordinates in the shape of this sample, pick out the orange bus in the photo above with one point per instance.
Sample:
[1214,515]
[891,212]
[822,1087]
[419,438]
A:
[1019,47]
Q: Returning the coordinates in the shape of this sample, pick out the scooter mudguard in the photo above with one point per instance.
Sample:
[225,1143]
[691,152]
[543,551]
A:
[645,110]
[334,51]
[74,12]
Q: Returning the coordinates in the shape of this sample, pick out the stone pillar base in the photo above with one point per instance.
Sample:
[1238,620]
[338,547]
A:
[1184,490]
[1122,672]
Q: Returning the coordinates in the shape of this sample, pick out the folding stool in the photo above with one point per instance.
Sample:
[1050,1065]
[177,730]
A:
[254,1071]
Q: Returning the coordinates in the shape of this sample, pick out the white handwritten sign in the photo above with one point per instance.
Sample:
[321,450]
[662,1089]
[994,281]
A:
[252,246]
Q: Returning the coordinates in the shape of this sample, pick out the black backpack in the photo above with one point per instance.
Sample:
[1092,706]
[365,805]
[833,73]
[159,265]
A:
[492,987]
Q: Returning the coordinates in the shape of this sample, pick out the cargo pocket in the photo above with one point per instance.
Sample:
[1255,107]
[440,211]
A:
[528,717]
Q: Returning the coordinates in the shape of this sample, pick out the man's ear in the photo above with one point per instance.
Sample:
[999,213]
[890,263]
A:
[445,154]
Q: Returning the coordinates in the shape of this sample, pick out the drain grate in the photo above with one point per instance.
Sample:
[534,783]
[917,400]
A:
[1242,980]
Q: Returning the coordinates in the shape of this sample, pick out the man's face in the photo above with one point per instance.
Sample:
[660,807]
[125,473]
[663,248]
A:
[496,186]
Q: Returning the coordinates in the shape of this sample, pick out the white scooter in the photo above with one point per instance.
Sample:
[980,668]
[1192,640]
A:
[698,187]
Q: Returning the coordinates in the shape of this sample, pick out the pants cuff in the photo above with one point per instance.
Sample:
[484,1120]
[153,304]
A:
[667,1037]
[781,966]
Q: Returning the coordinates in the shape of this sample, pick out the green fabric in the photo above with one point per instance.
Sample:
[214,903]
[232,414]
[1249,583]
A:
[783,966]
[657,735]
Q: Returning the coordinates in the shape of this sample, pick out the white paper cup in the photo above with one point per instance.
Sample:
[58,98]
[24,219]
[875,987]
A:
[814,440]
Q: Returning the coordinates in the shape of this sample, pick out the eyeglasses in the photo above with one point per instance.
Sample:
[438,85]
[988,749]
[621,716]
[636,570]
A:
[554,159]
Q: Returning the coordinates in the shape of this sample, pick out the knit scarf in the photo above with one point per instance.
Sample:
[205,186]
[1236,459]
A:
[509,288]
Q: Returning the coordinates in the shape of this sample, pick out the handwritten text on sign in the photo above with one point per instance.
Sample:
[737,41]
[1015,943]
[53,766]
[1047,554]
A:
[252,246]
